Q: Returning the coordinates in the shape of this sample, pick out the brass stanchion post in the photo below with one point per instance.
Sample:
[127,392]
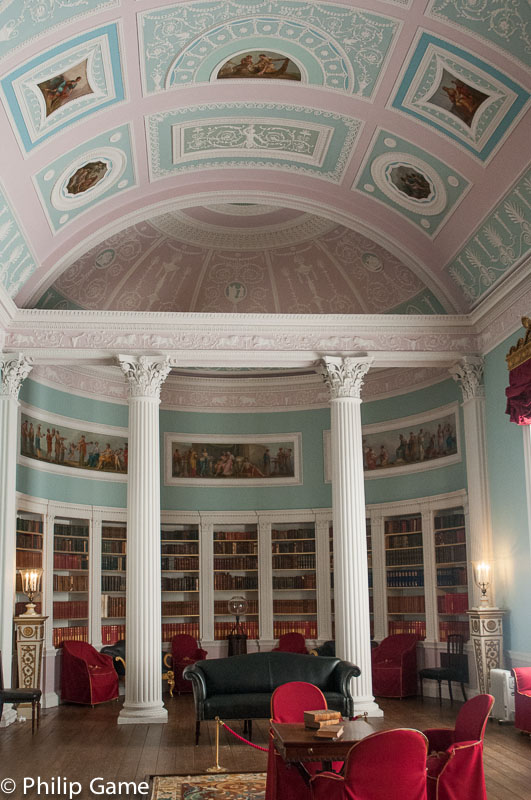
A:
[217,767]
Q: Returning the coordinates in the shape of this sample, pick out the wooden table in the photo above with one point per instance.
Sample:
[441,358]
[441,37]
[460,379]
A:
[297,744]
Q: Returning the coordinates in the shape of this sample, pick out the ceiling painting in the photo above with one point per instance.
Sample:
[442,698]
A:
[22,21]
[459,95]
[89,174]
[412,181]
[503,24]
[16,259]
[64,85]
[502,241]
[292,138]
[268,65]
[339,47]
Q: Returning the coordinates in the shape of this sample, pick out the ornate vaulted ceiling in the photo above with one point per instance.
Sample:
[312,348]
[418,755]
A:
[294,157]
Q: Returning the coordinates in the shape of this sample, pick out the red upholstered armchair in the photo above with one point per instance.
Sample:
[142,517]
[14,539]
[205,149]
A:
[292,643]
[522,698]
[455,763]
[288,704]
[390,765]
[394,666]
[87,676]
[184,651]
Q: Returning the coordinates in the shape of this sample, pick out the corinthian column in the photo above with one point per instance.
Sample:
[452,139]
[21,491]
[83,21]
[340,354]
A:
[468,373]
[143,683]
[344,378]
[13,370]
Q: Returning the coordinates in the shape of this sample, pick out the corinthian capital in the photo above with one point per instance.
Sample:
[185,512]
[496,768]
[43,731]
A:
[14,369]
[145,374]
[344,376]
[468,373]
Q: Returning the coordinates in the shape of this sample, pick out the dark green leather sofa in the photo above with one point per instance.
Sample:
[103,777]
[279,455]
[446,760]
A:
[240,687]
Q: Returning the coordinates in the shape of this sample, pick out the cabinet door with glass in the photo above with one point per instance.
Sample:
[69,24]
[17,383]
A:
[70,580]
[235,574]
[179,580]
[452,575]
[404,564]
[294,580]
[113,577]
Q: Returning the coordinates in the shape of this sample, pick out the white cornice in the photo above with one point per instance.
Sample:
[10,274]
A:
[500,314]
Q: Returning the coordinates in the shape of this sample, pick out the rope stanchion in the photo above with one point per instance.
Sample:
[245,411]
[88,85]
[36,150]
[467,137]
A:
[221,724]
[237,735]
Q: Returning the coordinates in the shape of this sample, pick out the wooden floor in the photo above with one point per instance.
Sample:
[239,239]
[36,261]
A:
[80,743]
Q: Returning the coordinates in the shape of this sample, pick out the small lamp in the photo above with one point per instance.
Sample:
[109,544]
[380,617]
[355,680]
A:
[238,606]
[30,578]
[482,570]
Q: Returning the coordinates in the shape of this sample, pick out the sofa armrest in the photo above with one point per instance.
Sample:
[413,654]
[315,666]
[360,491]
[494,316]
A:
[342,676]
[194,673]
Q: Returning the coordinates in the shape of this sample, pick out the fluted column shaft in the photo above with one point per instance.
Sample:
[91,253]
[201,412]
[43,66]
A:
[468,373]
[344,378]
[143,685]
[13,370]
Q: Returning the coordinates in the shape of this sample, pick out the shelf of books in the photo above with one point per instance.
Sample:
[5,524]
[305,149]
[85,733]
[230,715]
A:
[70,580]
[294,580]
[179,580]
[113,571]
[369,569]
[452,577]
[235,573]
[404,563]
[29,548]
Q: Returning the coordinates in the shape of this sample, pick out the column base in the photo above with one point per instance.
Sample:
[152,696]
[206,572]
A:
[9,716]
[142,715]
[370,706]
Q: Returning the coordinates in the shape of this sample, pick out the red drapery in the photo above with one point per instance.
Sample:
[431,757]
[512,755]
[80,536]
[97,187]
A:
[519,390]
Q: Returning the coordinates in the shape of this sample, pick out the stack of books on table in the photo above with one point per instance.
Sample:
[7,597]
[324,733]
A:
[327,724]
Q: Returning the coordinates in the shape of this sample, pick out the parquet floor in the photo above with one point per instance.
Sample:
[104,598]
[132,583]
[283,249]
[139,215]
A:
[79,743]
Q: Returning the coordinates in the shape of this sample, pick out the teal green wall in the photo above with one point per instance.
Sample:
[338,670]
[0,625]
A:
[313,493]
[511,535]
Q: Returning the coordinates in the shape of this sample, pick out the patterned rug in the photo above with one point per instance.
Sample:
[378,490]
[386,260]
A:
[224,786]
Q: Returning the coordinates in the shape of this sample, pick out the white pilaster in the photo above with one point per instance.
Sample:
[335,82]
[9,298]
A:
[468,374]
[344,378]
[13,370]
[323,590]
[265,582]
[143,685]
[379,576]
[206,582]
[95,582]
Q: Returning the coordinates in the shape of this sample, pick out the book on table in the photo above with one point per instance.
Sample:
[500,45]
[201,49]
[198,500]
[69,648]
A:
[321,718]
[330,732]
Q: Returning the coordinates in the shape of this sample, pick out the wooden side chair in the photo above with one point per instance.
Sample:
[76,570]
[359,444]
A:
[17,696]
[453,667]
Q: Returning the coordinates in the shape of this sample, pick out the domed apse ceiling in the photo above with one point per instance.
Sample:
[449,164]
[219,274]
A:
[246,258]
[382,146]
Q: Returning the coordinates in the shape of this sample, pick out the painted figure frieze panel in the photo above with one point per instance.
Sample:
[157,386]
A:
[268,65]
[503,24]
[85,176]
[503,240]
[234,460]
[459,95]
[64,85]
[16,259]
[334,46]
[258,135]
[57,444]
[22,21]
[411,444]
[417,185]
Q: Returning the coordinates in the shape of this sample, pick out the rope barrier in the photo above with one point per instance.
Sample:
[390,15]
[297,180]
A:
[241,738]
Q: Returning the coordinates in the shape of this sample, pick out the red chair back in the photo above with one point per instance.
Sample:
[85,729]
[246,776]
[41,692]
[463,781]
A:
[393,646]
[522,677]
[472,718]
[183,646]
[82,650]
[292,643]
[389,765]
[290,700]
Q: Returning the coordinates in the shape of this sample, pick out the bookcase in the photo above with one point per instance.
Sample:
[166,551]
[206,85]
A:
[235,562]
[29,553]
[70,580]
[180,572]
[451,572]
[293,555]
[404,563]
[113,581]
